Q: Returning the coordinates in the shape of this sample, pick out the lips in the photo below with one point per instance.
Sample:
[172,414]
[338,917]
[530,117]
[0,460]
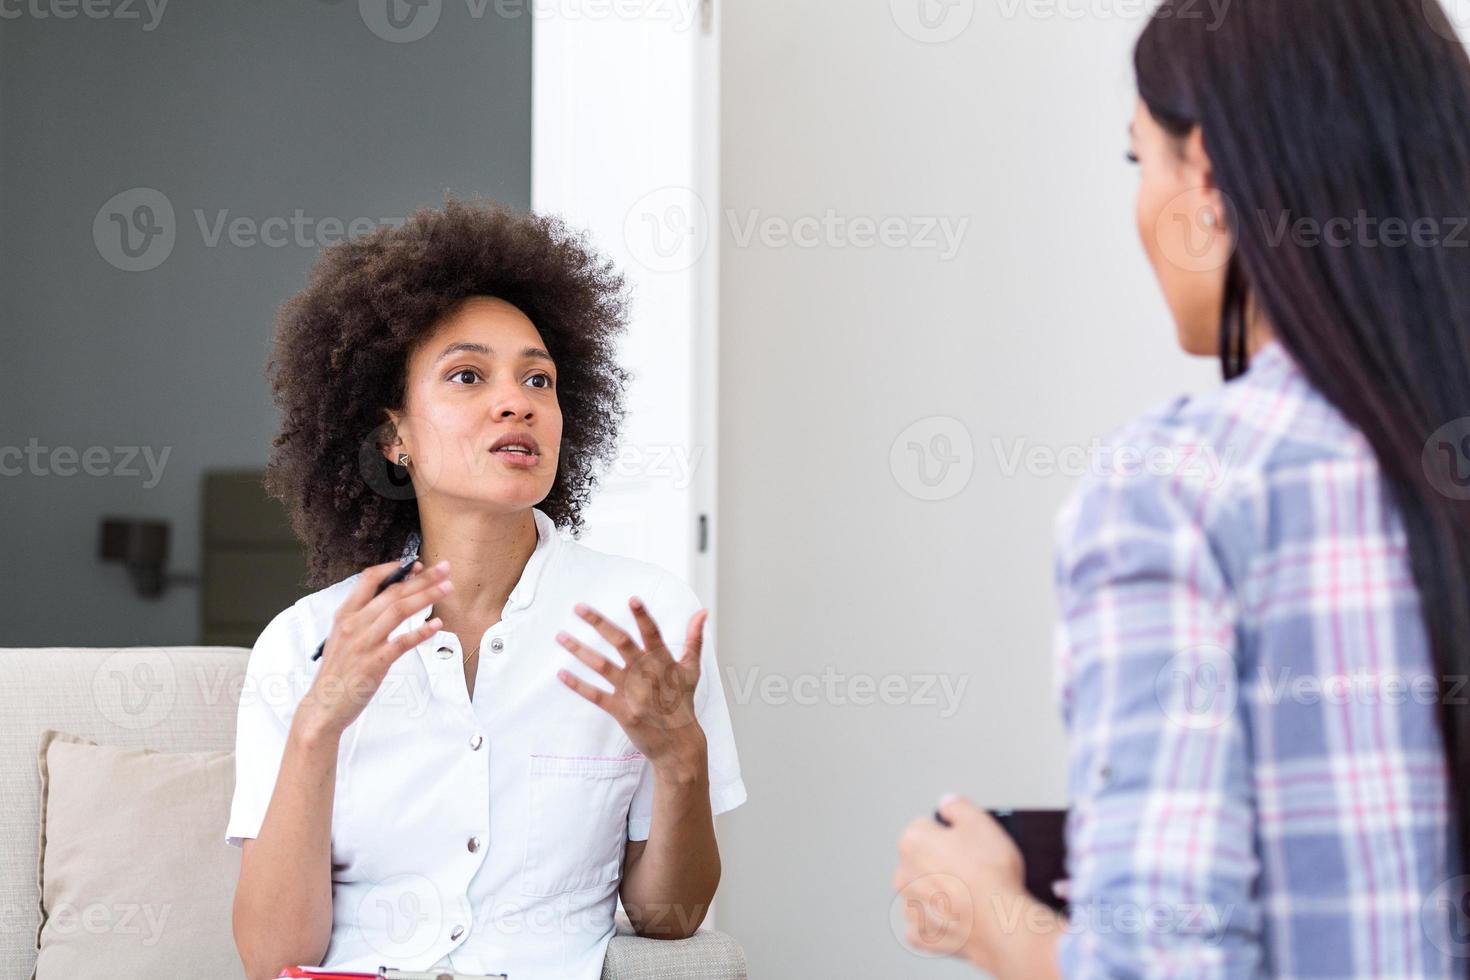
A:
[517,449]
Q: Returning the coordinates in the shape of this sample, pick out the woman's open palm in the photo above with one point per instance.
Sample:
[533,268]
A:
[653,693]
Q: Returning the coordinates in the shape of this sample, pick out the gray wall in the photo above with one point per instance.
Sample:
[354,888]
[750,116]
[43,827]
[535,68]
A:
[1045,326]
[257,109]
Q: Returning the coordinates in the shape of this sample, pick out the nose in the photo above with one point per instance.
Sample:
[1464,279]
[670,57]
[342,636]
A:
[511,401]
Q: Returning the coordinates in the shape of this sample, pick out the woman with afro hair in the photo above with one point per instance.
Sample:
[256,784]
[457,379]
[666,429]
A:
[467,769]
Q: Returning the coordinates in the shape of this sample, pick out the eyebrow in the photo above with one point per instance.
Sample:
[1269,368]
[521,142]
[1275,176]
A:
[535,353]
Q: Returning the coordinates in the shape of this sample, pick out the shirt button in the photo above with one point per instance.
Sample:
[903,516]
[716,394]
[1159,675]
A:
[445,652]
[458,931]
[474,844]
[496,645]
[477,741]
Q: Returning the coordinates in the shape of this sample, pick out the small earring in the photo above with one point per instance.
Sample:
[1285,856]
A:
[403,459]
[1209,220]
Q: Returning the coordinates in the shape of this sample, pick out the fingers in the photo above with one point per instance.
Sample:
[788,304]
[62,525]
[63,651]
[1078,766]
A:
[647,628]
[405,642]
[620,640]
[362,593]
[959,811]
[596,695]
[694,639]
[352,616]
[401,601]
[917,837]
[590,657]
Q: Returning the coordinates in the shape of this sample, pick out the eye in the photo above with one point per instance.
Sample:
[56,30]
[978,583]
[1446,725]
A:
[1131,157]
[543,377]
[465,376]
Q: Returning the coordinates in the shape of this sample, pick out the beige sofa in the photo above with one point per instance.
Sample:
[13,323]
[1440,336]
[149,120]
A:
[184,702]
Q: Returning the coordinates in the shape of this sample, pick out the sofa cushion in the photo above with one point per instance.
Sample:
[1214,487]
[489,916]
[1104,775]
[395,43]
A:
[174,699]
[135,879]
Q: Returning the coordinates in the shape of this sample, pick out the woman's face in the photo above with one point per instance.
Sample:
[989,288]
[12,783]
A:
[1184,223]
[481,423]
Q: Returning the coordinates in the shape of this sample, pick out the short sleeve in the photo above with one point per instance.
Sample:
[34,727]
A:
[671,606]
[268,701]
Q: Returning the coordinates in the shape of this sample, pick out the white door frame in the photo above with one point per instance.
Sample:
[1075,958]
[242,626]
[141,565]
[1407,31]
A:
[625,144]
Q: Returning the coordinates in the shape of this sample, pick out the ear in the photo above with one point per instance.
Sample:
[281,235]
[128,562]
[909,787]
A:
[1199,170]
[1197,159]
[390,439]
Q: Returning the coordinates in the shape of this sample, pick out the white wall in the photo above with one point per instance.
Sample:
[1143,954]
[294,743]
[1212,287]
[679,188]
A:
[1043,329]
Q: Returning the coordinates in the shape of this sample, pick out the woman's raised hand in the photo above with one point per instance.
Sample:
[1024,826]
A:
[358,651]
[653,694]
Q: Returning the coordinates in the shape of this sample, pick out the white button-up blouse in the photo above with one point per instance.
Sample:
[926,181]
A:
[485,835]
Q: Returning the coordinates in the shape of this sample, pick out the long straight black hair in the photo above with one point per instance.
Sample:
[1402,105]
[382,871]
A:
[1336,109]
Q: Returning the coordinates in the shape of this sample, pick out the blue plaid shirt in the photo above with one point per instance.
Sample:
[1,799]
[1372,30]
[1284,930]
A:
[1258,781]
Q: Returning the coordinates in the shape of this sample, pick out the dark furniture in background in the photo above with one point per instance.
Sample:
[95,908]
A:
[253,566]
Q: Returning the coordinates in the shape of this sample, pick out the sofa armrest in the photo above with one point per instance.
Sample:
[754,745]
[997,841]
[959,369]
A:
[706,955]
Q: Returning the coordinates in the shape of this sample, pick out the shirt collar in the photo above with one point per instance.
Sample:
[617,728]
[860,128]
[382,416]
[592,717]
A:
[1271,358]
[547,541]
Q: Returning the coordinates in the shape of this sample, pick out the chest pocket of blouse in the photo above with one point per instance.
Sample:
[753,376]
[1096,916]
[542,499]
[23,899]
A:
[578,821]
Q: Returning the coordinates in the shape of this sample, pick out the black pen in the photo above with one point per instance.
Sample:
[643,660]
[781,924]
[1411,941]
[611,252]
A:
[391,580]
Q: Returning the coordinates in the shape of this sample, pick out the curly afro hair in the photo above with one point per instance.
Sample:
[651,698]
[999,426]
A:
[342,347]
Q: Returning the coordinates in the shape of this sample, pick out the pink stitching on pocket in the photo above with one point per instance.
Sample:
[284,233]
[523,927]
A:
[591,758]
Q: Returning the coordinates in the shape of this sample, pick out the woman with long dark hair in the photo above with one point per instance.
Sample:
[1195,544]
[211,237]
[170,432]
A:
[1263,671]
